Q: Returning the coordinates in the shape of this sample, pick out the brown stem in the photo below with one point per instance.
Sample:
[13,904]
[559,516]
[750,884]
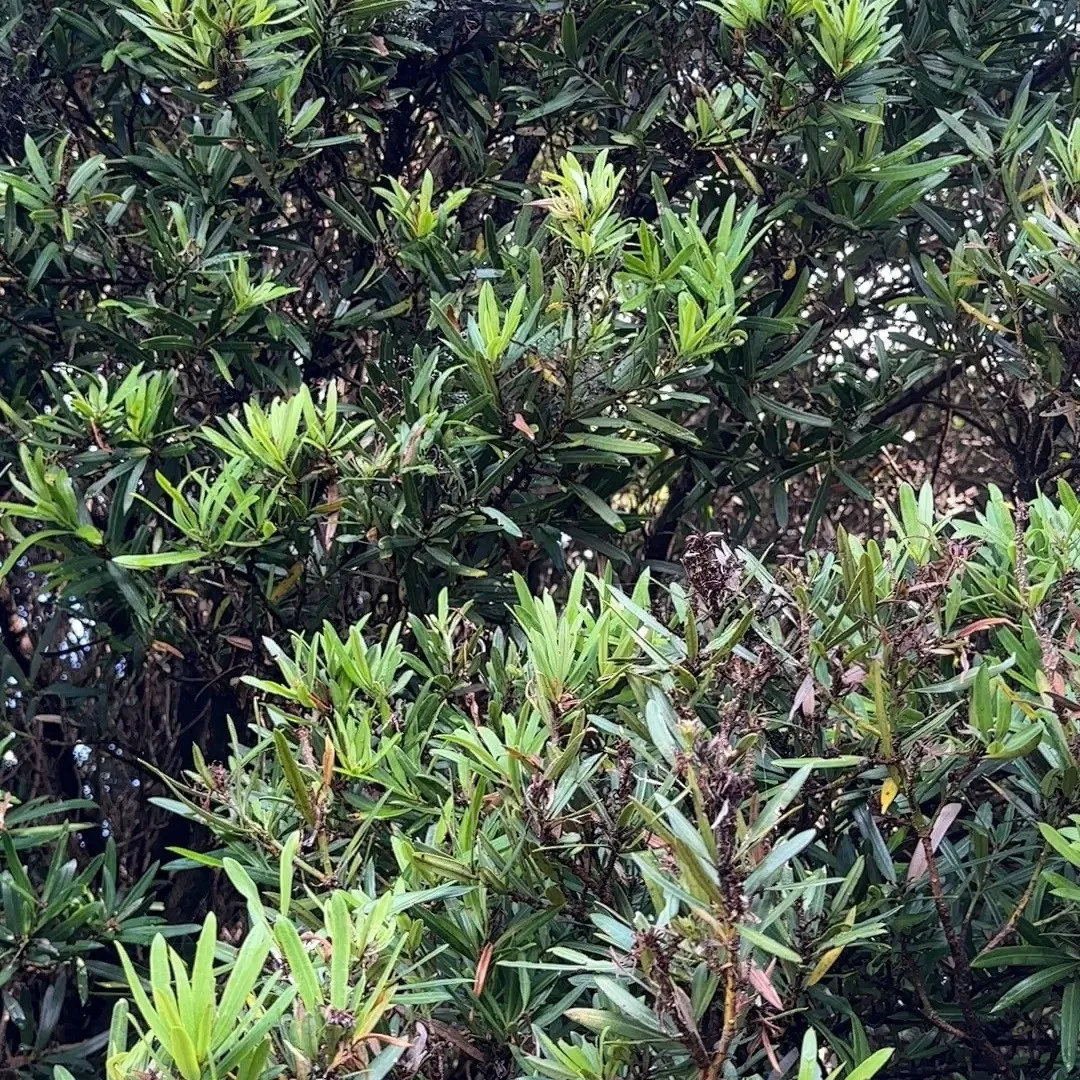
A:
[928,1009]
[723,1047]
[916,394]
[1014,918]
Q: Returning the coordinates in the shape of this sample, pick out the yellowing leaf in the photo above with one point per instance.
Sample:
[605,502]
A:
[984,318]
[747,175]
[821,968]
[888,792]
[288,582]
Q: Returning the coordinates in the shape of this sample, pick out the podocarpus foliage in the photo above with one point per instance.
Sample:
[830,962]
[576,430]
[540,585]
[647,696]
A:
[325,312]
[315,309]
[516,275]
[814,821]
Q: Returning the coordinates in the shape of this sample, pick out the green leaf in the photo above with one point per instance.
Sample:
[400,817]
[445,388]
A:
[293,776]
[871,1066]
[19,549]
[662,424]
[508,526]
[778,857]
[628,1005]
[1017,956]
[37,164]
[613,445]
[661,722]
[203,989]
[84,173]
[1067,850]
[142,1002]
[247,1046]
[242,979]
[964,679]
[790,412]
[768,944]
[842,761]
[598,506]
[160,558]
[49,252]
[1070,1024]
[1034,984]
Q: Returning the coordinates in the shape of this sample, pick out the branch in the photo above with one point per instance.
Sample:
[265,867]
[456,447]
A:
[916,395]
[1006,931]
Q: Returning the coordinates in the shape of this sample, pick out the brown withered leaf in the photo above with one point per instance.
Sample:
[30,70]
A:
[685,1011]
[854,676]
[417,1049]
[327,763]
[482,966]
[452,1035]
[983,624]
[331,524]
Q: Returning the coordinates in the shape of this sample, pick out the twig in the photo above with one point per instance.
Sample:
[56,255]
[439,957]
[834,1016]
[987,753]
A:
[1014,918]
[916,395]
[928,1009]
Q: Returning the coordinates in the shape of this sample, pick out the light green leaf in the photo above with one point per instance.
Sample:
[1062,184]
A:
[768,944]
[777,804]
[285,872]
[300,966]
[808,1059]
[339,930]
[182,1050]
[243,884]
[160,558]
[871,1066]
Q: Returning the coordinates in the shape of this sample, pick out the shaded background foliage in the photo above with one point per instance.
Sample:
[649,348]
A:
[309,316]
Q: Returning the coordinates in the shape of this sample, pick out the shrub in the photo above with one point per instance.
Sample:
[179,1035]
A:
[316,309]
[812,819]
[350,325]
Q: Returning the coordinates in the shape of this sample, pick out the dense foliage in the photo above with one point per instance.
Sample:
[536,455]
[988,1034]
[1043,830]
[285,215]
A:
[387,387]
[805,822]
